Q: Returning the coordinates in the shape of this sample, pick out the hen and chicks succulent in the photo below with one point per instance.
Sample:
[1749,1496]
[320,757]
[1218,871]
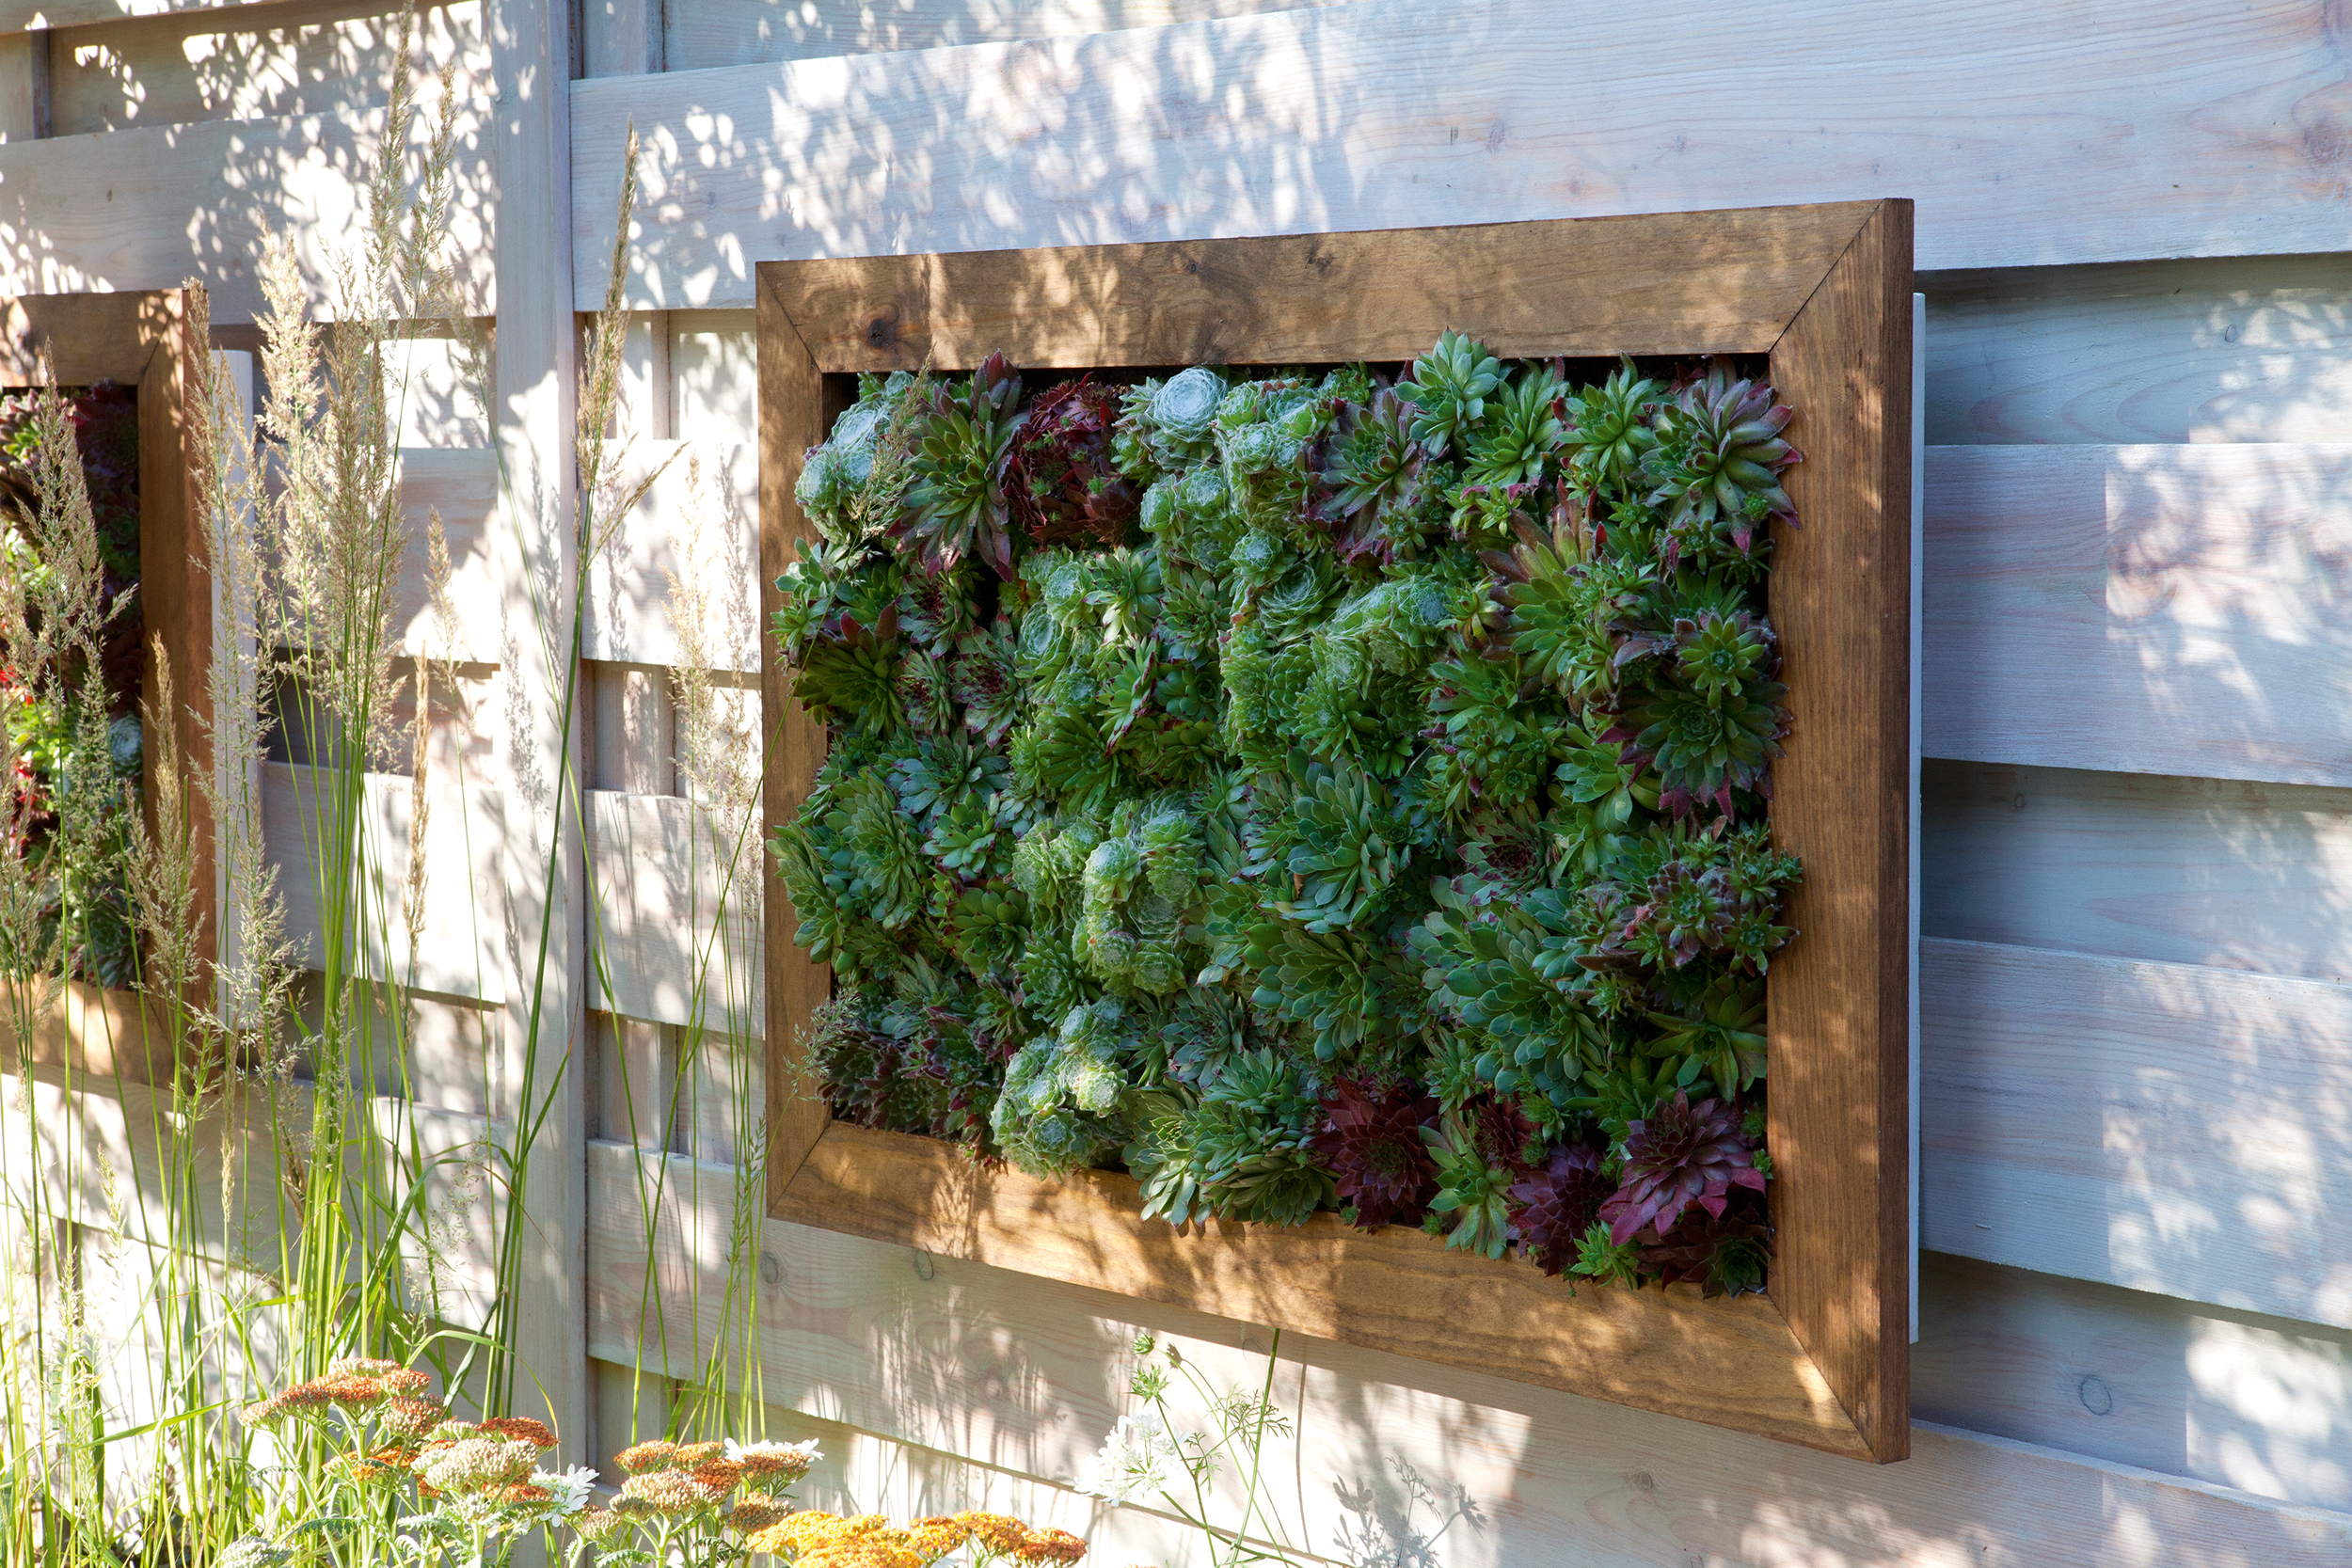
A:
[1312,790]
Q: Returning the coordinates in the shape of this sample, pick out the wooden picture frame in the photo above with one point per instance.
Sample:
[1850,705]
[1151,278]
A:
[1825,292]
[150,342]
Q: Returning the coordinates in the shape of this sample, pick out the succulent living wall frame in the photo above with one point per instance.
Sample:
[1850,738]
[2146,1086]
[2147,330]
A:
[148,343]
[1824,294]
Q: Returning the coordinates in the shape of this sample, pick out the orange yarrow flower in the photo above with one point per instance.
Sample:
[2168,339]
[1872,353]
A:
[935,1537]
[656,1455]
[520,1427]
[998,1533]
[1050,1545]
[753,1512]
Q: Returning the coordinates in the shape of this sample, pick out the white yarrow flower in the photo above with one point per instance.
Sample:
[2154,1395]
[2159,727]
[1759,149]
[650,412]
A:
[567,1492]
[1139,1458]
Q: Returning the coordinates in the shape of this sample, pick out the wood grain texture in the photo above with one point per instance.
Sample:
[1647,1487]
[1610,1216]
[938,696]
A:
[2166,1127]
[1726,1362]
[2243,348]
[542,1040]
[149,209]
[460,951]
[713,33]
[1839,997]
[2114,131]
[2229,1398]
[676,935]
[253,62]
[1025,1375]
[792,418]
[176,599]
[2194,871]
[1686,282]
[88,1030]
[2155,610]
[696,527]
[20,14]
[461,485]
[24,100]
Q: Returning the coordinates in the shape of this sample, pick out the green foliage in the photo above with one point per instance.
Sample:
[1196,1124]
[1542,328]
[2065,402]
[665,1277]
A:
[1321,792]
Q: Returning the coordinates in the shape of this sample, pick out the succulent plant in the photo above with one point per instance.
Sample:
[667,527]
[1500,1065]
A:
[1555,1206]
[1717,464]
[1309,740]
[1679,1156]
[1374,476]
[1449,389]
[1060,479]
[1704,749]
[1525,432]
[957,508]
[1609,432]
[1472,1207]
[1725,1252]
[1371,1141]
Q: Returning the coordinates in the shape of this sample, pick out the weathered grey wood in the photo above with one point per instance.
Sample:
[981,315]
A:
[538,541]
[2196,871]
[696,524]
[251,62]
[16,14]
[25,87]
[2182,609]
[2263,1404]
[2237,348]
[711,33]
[148,208]
[677,936]
[461,949]
[2116,130]
[2168,1127]
[1028,1374]
[461,483]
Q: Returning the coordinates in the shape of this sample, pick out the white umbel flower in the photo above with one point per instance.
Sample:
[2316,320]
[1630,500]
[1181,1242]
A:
[567,1492]
[1140,1458]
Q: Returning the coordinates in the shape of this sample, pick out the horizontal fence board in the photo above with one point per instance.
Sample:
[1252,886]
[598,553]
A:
[461,483]
[458,951]
[2183,609]
[2194,871]
[2106,131]
[108,1161]
[676,934]
[711,33]
[2166,1127]
[150,209]
[1026,1376]
[694,530]
[2259,1403]
[103,1147]
[246,62]
[2240,348]
[19,15]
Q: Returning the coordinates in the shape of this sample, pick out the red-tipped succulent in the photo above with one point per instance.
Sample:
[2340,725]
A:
[1558,1204]
[1681,1154]
[1372,1143]
[1058,475]
[1718,1253]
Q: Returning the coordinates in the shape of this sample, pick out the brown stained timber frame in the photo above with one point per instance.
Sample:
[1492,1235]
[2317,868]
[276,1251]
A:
[150,342]
[1823,1359]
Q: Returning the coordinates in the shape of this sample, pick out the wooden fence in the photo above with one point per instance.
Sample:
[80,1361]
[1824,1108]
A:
[2135,1339]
